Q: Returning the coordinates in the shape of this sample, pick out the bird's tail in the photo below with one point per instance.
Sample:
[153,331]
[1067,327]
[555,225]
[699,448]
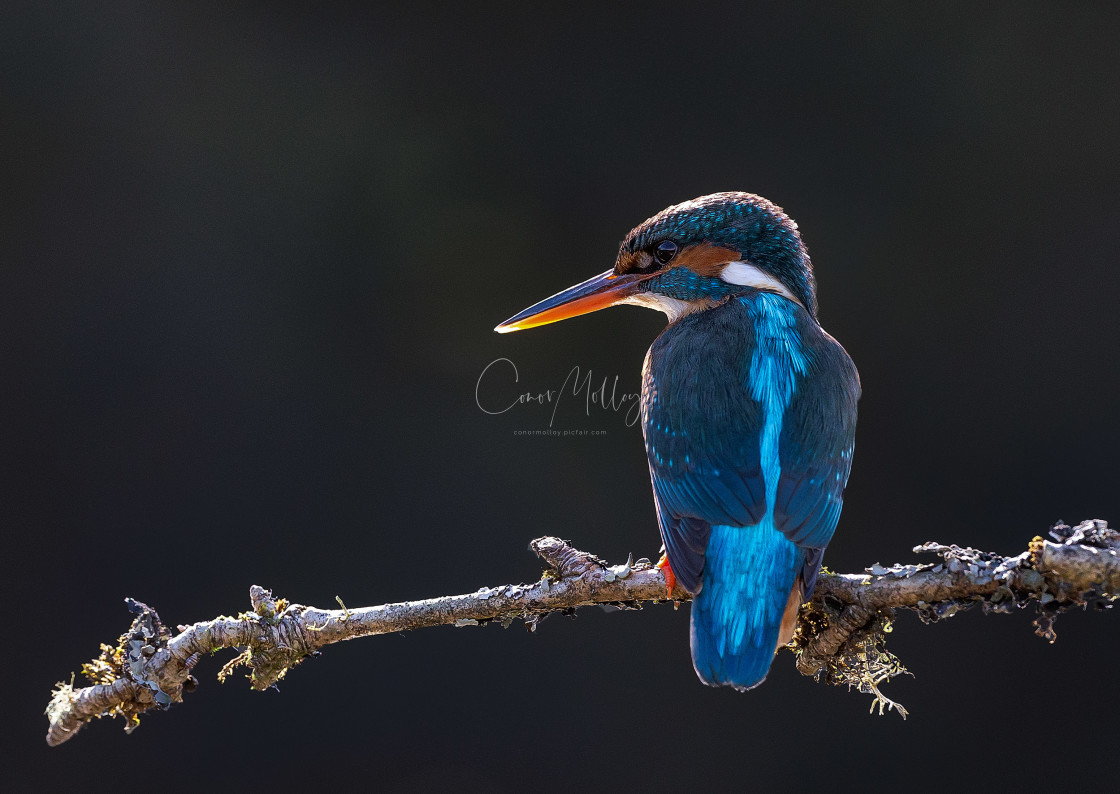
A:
[749,574]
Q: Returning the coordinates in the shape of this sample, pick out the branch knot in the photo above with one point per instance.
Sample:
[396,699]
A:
[565,560]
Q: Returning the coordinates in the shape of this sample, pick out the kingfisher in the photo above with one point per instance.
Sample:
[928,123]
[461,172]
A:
[748,412]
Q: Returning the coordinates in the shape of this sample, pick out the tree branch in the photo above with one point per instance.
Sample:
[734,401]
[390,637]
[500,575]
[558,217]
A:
[840,636]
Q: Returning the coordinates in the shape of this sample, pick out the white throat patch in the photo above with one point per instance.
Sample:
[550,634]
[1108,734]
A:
[672,307]
[747,275]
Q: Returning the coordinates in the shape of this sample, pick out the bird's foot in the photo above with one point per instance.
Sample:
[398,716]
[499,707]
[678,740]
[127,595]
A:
[667,572]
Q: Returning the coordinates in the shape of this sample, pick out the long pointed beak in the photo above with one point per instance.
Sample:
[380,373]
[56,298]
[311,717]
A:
[606,289]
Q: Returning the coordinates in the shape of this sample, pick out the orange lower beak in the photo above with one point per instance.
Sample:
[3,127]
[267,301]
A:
[604,290]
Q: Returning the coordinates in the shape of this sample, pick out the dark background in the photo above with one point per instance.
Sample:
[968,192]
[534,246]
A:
[251,259]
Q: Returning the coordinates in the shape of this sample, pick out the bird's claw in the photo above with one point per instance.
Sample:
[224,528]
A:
[667,572]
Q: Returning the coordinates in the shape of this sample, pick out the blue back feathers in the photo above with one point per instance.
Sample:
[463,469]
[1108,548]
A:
[749,414]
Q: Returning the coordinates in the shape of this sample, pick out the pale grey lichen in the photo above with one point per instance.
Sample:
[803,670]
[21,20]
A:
[619,571]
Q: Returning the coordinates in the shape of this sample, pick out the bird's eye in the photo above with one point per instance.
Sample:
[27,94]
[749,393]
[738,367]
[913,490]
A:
[665,252]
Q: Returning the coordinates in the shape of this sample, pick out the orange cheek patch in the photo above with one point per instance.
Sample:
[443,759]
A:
[706,259]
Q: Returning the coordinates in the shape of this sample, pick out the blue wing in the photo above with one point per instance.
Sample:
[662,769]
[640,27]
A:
[704,471]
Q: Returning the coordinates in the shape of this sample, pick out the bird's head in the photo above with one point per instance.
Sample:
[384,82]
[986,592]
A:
[690,257]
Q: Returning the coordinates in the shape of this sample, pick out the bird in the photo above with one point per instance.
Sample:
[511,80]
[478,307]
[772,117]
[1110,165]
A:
[748,412]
